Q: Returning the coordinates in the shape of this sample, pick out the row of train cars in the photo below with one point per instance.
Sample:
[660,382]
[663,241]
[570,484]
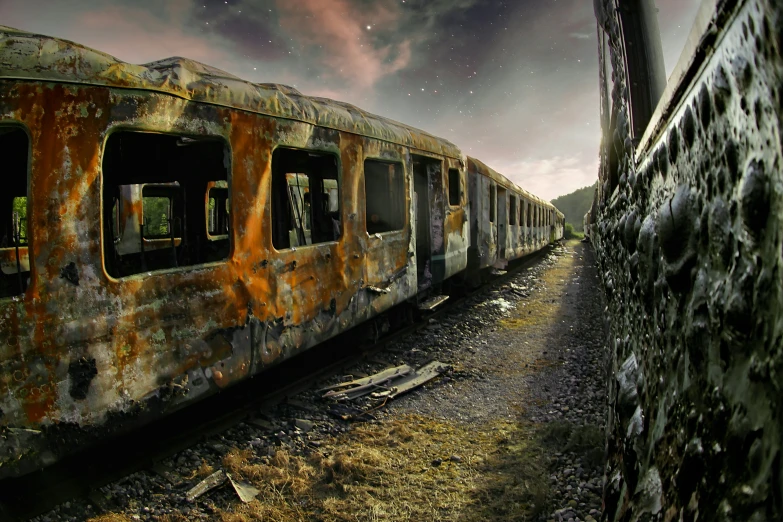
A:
[169,230]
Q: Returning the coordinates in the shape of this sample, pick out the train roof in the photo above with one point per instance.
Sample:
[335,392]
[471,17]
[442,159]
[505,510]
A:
[482,168]
[29,56]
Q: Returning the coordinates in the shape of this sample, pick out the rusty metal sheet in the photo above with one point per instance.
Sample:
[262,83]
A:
[29,56]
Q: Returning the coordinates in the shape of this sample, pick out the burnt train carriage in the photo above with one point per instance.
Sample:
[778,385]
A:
[169,230]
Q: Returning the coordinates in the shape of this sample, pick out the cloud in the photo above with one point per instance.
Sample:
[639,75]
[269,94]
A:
[551,177]
[131,33]
[337,33]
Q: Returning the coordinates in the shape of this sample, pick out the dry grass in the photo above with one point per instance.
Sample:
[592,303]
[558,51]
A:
[387,472]
[204,470]
[110,517]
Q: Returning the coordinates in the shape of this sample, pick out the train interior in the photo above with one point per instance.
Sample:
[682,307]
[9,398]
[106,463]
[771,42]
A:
[305,198]
[182,186]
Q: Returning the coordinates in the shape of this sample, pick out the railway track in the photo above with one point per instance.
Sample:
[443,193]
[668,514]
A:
[110,460]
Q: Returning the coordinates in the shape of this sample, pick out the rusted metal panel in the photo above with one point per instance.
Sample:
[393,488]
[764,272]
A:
[28,56]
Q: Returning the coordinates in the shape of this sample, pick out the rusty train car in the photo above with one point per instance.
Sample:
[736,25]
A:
[169,230]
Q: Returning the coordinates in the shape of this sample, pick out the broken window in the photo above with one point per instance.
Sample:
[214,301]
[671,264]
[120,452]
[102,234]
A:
[512,216]
[493,199]
[305,198]
[454,187]
[384,188]
[14,260]
[154,189]
[529,215]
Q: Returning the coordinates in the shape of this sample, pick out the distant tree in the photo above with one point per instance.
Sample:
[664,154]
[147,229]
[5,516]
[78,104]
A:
[575,205]
[570,233]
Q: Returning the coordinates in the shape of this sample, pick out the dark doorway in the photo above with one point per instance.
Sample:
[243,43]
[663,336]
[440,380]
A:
[428,188]
[421,187]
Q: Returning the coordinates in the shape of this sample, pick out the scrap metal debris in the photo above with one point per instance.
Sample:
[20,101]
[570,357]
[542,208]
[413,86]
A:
[387,384]
[361,387]
[421,376]
[244,491]
[211,482]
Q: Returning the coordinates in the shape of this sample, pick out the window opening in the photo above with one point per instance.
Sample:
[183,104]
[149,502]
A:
[493,199]
[14,260]
[454,187]
[154,189]
[218,210]
[305,198]
[157,215]
[512,219]
[384,188]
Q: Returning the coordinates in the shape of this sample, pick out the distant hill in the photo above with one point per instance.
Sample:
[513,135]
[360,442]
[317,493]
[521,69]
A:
[575,205]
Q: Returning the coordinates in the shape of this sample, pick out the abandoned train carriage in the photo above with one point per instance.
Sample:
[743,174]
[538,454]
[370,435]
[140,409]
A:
[169,229]
[506,222]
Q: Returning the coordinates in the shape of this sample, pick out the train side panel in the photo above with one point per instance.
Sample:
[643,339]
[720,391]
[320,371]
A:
[103,332]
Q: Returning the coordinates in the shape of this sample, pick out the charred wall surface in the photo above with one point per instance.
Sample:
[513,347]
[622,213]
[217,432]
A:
[688,234]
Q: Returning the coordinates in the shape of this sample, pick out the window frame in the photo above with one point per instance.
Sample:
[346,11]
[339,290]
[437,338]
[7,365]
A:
[213,185]
[269,227]
[228,158]
[405,189]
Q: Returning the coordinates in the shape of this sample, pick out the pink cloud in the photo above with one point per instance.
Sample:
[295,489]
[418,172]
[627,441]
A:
[340,30]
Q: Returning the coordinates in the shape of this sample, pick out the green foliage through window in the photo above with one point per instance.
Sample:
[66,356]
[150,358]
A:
[20,208]
[157,211]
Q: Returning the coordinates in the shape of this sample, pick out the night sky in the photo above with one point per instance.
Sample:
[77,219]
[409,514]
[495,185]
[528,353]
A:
[513,83]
